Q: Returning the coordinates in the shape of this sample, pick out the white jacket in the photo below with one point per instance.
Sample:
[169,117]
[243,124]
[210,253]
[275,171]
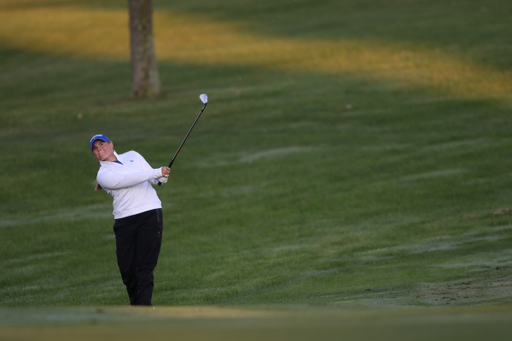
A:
[129,184]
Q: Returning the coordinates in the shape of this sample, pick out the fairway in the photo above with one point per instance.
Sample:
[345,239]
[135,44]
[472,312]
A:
[352,169]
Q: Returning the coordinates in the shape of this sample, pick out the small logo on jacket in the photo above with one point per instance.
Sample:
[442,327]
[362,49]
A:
[131,160]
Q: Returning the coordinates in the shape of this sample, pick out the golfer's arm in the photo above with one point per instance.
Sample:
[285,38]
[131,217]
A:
[146,166]
[113,180]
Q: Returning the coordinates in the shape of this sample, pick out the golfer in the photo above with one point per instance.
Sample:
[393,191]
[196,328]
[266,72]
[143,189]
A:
[137,213]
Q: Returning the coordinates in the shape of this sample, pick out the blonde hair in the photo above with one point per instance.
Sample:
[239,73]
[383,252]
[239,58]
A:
[97,186]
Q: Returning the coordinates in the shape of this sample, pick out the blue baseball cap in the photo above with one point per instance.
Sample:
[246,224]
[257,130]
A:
[98,137]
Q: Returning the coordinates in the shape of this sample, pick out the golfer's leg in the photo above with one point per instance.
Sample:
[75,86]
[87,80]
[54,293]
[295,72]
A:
[125,231]
[149,240]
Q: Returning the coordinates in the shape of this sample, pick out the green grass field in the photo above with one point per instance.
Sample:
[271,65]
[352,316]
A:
[353,161]
[236,323]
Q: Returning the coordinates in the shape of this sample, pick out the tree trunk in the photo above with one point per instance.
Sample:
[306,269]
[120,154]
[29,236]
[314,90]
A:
[145,78]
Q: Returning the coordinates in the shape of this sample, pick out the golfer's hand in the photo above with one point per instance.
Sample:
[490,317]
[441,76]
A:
[165,171]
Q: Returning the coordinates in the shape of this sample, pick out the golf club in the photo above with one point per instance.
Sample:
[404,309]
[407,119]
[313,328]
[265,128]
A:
[204,99]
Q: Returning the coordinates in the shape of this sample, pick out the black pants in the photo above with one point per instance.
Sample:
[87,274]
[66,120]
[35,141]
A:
[138,241]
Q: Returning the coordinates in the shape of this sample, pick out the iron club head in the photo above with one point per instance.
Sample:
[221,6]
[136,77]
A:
[203,98]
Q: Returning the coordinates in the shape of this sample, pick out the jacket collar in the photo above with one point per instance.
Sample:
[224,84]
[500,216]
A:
[106,163]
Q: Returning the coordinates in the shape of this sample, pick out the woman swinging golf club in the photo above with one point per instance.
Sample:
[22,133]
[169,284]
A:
[137,214]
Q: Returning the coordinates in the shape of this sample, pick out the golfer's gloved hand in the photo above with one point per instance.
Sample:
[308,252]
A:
[162,179]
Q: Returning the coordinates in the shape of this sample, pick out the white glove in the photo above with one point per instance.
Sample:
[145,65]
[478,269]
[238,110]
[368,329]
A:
[162,179]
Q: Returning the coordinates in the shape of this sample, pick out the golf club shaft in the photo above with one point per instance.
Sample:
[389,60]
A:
[182,143]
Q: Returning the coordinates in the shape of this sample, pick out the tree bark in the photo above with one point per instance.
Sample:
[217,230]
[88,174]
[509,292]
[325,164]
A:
[145,77]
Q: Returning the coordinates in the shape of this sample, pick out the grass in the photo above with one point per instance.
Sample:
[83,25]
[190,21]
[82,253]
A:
[187,36]
[235,323]
[351,154]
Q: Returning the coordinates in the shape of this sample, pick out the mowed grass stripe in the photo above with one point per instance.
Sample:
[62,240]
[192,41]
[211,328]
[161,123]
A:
[282,323]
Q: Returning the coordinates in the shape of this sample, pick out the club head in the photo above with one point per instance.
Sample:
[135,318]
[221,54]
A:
[203,98]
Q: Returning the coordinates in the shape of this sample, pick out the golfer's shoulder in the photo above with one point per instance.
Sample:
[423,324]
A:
[129,156]
[131,153]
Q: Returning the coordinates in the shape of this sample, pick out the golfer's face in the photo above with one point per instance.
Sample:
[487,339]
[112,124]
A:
[102,150]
